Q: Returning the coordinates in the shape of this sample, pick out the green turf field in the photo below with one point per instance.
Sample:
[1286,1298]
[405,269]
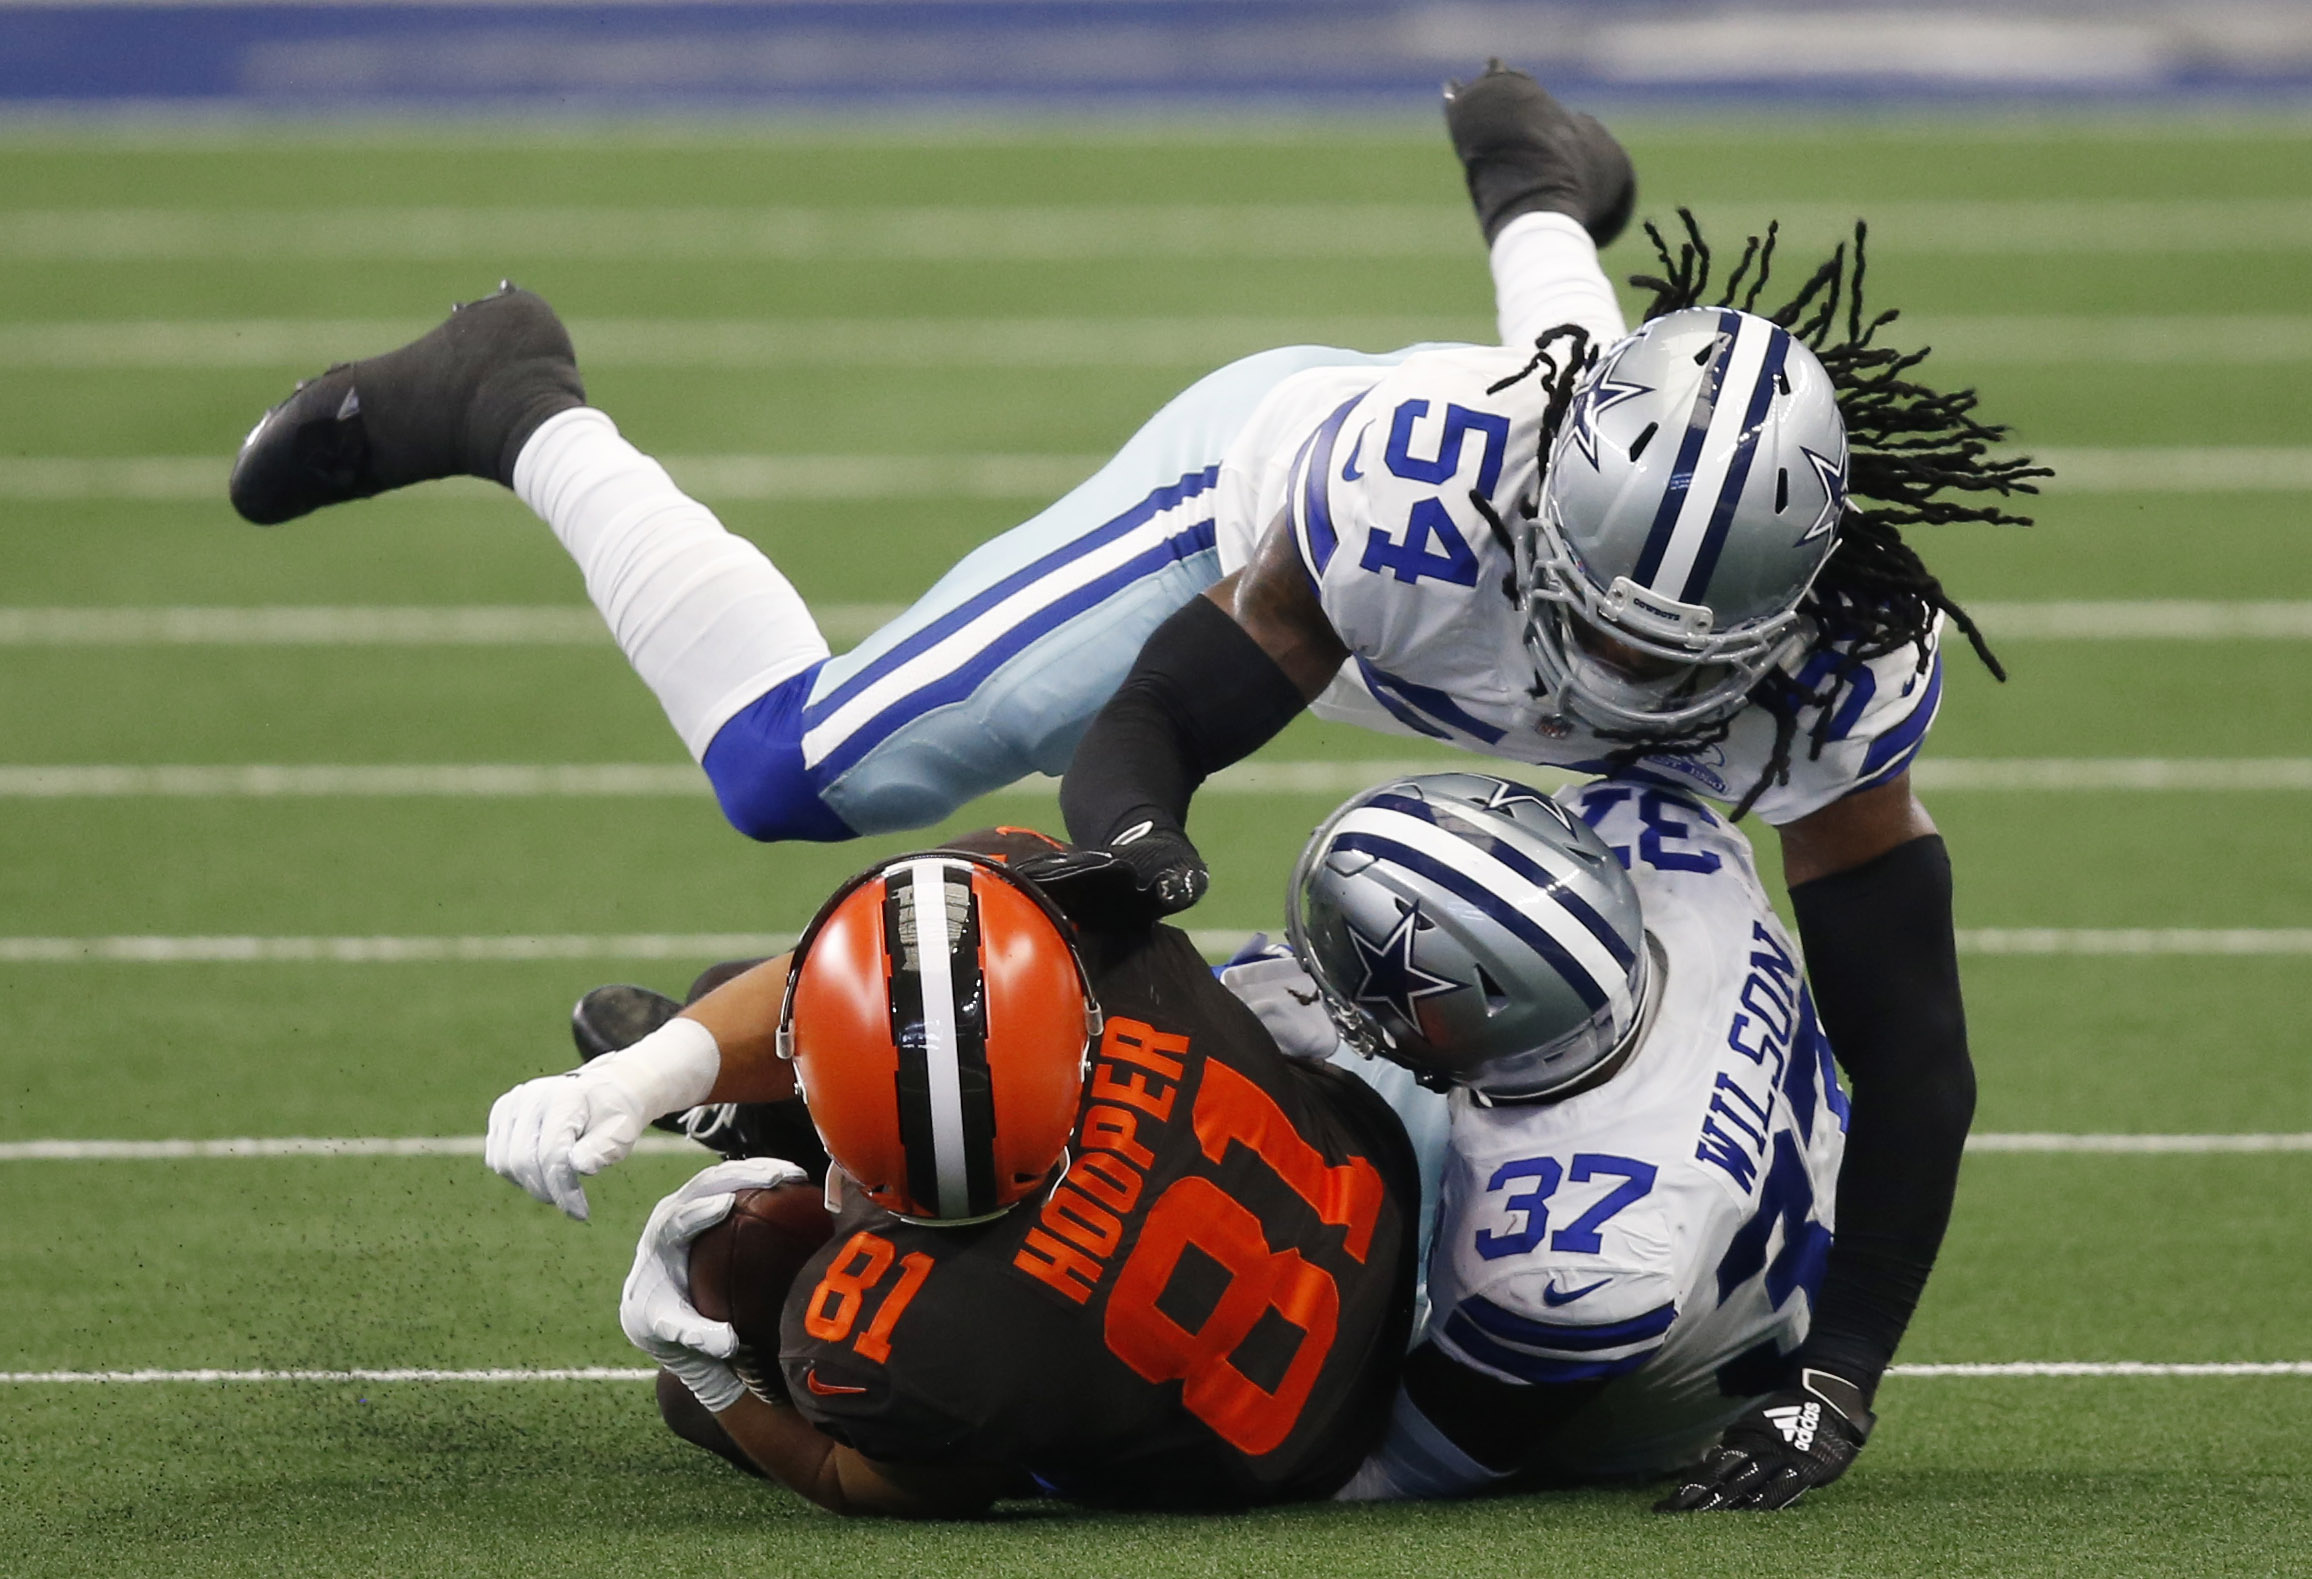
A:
[2113,289]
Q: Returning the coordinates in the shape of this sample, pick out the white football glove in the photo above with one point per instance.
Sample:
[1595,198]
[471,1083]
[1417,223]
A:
[1271,981]
[545,1133]
[655,1309]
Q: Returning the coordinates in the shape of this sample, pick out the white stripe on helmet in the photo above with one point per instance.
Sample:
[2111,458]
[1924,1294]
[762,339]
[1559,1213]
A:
[1753,338]
[1610,979]
[933,946]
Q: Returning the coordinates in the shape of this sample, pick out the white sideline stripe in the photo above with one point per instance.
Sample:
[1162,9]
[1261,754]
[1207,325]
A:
[246,1147]
[1065,233]
[173,478]
[577,625]
[1217,942]
[682,781]
[783,478]
[301,344]
[621,1373]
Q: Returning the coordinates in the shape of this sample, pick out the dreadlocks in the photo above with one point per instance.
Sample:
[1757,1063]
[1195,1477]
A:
[1916,456]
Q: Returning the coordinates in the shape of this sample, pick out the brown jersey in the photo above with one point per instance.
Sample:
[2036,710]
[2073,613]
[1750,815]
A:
[1208,1309]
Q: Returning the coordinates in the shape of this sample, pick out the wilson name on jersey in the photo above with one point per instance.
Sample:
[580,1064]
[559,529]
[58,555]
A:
[1208,1310]
[1418,584]
[1664,1231]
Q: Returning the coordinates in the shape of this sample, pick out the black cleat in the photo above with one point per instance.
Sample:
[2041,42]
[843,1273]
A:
[460,400]
[618,1015]
[1524,153]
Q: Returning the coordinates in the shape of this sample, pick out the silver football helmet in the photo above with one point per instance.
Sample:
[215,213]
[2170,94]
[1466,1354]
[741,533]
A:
[1474,931]
[1691,499]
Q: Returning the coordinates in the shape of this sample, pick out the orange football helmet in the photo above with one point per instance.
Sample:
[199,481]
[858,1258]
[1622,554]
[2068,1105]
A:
[940,1022]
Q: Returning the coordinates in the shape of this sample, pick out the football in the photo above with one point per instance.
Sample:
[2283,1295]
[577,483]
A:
[742,1268]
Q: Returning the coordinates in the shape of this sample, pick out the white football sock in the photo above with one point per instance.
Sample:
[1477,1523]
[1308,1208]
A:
[1545,272]
[707,621]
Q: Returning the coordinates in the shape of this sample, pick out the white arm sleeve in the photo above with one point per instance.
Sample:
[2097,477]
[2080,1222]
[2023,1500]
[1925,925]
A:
[1545,272]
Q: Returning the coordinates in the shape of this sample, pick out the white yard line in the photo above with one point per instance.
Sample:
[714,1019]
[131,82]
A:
[262,1147]
[768,343]
[247,1146]
[510,948]
[1052,233]
[607,1373]
[830,478]
[2134,620]
[548,625]
[284,625]
[681,781]
[839,478]
[141,949]
[301,344]
[2184,941]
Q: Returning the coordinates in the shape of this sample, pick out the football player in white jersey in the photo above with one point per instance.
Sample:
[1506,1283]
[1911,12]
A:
[1712,590]
[1635,1183]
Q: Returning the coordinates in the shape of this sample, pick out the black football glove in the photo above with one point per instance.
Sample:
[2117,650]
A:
[1789,1443]
[1164,865]
[1127,887]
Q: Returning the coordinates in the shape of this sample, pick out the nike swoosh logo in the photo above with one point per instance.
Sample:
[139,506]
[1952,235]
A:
[1554,1296]
[1349,472]
[825,1389]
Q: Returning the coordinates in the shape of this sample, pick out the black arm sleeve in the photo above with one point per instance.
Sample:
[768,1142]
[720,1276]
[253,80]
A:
[1885,973]
[1499,1424]
[1202,695]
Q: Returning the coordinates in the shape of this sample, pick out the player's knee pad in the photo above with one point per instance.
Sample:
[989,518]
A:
[755,763]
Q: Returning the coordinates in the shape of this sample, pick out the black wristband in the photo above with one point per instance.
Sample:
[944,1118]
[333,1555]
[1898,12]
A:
[1202,695]
[1885,975]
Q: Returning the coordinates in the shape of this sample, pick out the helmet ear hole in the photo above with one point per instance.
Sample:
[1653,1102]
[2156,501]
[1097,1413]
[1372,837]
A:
[1495,999]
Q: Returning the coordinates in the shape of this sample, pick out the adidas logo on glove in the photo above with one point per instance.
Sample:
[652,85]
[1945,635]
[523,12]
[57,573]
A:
[1797,1423]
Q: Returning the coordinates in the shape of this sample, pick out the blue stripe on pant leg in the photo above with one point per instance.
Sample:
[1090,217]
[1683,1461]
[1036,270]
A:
[923,637]
[755,763]
[1016,709]
[1171,450]
[1030,709]
[956,684]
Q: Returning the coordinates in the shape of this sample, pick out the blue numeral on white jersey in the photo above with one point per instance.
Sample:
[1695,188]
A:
[1412,559]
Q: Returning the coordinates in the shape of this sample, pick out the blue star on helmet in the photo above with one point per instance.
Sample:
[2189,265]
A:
[1504,795]
[1604,393]
[1830,471]
[1392,981]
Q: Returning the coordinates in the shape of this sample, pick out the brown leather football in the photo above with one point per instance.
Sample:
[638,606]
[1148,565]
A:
[742,1268]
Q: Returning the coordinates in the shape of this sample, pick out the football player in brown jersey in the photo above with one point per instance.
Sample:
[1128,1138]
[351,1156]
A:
[1096,1237]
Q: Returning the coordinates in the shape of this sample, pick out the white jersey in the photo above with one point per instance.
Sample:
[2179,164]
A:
[1371,470]
[1668,1228]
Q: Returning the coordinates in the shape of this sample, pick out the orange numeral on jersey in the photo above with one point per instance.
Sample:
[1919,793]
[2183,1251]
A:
[835,1304]
[1230,1107]
[1246,1415]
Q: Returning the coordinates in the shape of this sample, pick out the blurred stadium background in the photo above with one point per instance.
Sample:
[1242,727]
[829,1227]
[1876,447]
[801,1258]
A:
[309,837]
